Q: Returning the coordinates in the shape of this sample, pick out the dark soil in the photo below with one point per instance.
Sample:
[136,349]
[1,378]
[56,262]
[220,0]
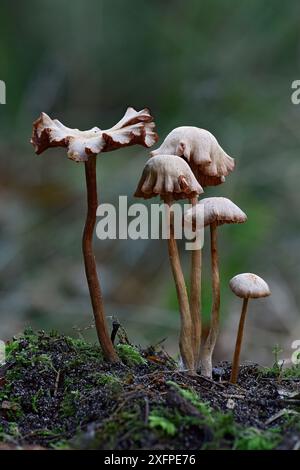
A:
[57,392]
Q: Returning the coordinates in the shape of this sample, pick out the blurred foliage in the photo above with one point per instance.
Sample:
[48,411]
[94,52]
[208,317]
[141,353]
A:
[225,66]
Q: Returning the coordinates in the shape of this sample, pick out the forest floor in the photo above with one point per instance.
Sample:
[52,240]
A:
[57,392]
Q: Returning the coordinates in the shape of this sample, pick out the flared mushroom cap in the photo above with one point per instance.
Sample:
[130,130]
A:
[248,285]
[201,149]
[218,210]
[168,175]
[136,127]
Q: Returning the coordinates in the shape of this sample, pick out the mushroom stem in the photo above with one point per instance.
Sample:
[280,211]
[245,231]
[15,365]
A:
[90,264]
[186,349]
[206,365]
[195,299]
[238,344]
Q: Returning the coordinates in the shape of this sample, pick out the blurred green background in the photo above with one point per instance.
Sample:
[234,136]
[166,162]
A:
[224,66]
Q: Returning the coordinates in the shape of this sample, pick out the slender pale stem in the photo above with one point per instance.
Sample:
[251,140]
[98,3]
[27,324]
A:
[195,299]
[238,344]
[211,340]
[90,264]
[185,346]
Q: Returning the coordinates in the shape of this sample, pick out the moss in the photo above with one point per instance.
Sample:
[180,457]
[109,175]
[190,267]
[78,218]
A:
[255,439]
[223,428]
[10,348]
[123,424]
[84,349]
[35,400]
[61,445]
[108,380]
[130,355]
[278,370]
[69,403]
[161,422]
[292,372]
[281,372]
[65,383]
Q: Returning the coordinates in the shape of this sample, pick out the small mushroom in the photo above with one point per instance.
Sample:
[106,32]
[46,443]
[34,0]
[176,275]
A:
[209,162]
[217,211]
[171,178]
[247,286]
[136,127]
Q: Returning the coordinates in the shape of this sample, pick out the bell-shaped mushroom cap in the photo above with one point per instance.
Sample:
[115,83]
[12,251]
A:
[209,162]
[168,175]
[248,285]
[220,210]
[136,127]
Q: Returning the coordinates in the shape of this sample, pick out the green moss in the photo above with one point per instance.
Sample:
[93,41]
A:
[130,355]
[158,421]
[223,428]
[10,348]
[280,372]
[69,403]
[111,381]
[61,445]
[126,422]
[35,400]
[82,381]
[291,422]
[255,439]
[193,398]
[84,349]
[292,372]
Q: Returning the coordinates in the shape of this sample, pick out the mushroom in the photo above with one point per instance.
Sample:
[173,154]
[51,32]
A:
[247,286]
[171,178]
[209,162]
[136,127]
[217,211]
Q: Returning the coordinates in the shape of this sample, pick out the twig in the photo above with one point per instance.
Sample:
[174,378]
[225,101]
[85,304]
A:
[280,414]
[147,410]
[56,383]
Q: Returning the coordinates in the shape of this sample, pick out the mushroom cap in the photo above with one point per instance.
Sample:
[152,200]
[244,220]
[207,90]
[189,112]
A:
[168,175]
[136,127]
[220,210]
[209,162]
[248,285]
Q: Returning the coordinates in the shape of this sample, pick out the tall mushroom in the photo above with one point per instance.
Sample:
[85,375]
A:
[136,127]
[217,211]
[247,286]
[170,177]
[210,164]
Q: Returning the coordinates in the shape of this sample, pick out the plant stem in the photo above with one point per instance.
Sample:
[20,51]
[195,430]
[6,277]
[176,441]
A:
[206,363]
[238,344]
[185,346]
[90,263]
[195,299]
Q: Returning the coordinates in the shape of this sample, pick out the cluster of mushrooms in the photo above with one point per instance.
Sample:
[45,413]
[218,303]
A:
[189,159]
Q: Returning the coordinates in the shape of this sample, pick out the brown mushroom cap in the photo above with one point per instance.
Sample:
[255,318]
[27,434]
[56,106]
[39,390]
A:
[217,209]
[248,285]
[167,175]
[209,162]
[136,127]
